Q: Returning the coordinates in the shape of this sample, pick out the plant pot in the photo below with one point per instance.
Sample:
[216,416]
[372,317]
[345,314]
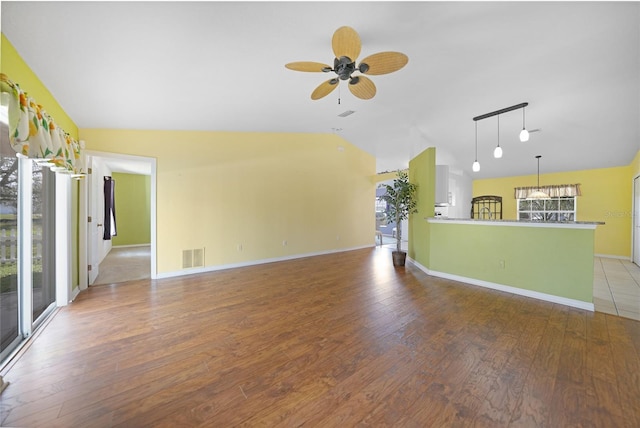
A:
[399,258]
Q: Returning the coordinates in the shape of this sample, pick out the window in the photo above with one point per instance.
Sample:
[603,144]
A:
[554,209]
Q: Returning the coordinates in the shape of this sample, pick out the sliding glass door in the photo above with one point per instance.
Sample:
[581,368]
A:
[27,242]
[43,240]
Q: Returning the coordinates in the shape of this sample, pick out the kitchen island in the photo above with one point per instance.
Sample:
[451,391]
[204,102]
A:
[552,261]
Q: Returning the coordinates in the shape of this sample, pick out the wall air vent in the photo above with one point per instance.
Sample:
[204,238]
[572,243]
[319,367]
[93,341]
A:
[346,113]
[198,257]
[193,258]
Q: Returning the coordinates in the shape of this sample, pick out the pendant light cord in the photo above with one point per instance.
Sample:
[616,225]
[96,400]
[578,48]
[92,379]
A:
[538,157]
[476,141]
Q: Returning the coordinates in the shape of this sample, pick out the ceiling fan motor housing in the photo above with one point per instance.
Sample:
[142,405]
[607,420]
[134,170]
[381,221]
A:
[344,67]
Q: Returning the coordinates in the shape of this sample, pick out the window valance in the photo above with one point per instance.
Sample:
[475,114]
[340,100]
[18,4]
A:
[33,133]
[554,191]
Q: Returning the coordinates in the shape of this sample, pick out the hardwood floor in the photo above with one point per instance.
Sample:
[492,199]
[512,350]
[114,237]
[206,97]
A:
[336,340]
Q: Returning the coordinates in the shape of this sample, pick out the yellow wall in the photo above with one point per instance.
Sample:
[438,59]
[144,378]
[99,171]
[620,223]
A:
[220,190]
[635,166]
[606,196]
[19,72]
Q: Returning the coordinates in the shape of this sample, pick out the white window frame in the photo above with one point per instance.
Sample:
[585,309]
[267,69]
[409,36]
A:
[544,212]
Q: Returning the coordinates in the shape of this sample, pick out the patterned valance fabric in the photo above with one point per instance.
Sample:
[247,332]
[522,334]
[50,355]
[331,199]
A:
[554,191]
[33,133]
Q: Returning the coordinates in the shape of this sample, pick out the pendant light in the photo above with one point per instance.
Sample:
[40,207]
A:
[476,164]
[538,194]
[524,134]
[497,153]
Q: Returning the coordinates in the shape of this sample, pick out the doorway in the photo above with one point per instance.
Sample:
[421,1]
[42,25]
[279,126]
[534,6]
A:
[98,249]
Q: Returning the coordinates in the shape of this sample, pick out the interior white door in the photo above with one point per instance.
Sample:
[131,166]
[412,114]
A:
[636,220]
[95,225]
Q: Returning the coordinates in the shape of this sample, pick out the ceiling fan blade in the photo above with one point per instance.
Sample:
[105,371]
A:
[362,87]
[346,42]
[307,66]
[384,62]
[324,89]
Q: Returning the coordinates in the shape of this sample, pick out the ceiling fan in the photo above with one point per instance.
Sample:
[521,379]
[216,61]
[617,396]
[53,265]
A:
[346,48]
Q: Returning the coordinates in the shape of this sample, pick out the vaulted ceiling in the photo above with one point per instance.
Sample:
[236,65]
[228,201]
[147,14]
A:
[220,66]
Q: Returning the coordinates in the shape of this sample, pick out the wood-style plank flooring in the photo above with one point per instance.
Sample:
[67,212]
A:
[331,341]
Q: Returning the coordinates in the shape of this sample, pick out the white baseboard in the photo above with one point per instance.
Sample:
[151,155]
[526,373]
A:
[131,246]
[253,262]
[74,294]
[507,288]
[612,256]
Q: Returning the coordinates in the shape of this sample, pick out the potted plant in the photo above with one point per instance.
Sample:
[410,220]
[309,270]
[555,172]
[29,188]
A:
[401,201]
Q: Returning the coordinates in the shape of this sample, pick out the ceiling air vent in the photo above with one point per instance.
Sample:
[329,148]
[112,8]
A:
[346,113]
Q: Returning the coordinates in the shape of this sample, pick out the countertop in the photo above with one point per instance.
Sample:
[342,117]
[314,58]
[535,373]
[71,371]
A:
[524,223]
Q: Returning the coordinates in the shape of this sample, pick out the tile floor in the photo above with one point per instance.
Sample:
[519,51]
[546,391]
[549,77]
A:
[616,287]
[125,264]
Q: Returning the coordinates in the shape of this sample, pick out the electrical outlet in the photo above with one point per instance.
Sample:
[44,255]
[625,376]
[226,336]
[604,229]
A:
[284,243]
[501,264]
[337,237]
[239,247]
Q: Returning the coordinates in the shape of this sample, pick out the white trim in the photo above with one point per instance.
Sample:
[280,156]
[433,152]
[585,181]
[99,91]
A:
[83,213]
[146,166]
[63,239]
[154,206]
[612,256]
[634,202]
[518,223]
[74,294]
[508,289]
[130,246]
[254,262]
[25,258]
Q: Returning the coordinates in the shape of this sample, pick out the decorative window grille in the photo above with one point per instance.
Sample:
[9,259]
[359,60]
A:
[554,209]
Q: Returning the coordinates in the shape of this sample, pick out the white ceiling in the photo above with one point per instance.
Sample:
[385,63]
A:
[220,66]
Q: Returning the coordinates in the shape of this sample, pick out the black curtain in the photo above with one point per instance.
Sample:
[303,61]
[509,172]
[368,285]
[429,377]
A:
[109,208]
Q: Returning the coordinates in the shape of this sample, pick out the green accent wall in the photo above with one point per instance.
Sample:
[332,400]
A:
[422,171]
[555,261]
[133,209]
